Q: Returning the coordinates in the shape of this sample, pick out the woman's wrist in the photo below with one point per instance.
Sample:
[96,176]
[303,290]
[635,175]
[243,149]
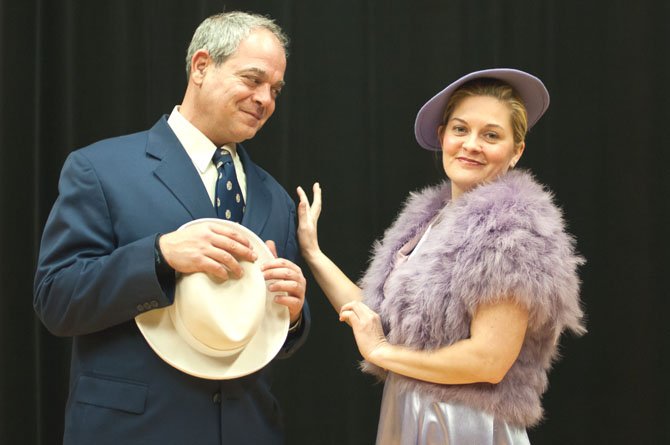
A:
[311,255]
[379,354]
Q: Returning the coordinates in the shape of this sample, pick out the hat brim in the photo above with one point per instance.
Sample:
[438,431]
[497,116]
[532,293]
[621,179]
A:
[159,331]
[532,91]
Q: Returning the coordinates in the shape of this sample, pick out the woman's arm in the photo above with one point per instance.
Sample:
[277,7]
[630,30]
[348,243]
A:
[335,284]
[497,331]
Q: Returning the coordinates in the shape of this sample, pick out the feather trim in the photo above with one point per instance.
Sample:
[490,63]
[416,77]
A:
[504,239]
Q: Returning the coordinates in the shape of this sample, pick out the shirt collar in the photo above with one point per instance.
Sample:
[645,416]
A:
[198,147]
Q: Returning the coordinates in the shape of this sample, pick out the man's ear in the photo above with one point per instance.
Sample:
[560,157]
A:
[200,62]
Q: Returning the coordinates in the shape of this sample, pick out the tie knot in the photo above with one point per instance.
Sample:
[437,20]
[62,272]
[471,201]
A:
[221,156]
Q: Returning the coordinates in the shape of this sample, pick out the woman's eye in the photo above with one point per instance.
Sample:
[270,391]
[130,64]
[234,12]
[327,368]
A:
[459,129]
[492,136]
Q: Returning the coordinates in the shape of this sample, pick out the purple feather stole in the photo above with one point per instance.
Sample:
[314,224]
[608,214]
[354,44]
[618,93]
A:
[502,239]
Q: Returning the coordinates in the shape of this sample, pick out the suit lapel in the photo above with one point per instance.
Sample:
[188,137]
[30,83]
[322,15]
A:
[259,199]
[177,172]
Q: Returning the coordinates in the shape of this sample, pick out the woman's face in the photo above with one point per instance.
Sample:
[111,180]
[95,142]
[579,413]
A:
[477,143]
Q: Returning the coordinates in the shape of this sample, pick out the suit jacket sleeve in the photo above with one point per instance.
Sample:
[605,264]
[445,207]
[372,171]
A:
[85,281]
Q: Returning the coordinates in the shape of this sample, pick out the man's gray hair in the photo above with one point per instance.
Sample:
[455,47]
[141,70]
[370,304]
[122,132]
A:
[222,33]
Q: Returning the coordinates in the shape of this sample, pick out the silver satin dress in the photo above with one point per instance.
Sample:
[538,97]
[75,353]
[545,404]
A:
[409,417]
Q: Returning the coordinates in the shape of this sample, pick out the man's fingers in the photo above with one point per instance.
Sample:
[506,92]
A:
[292,303]
[232,245]
[291,287]
[273,248]
[282,269]
[279,268]
[226,261]
[229,232]
[216,269]
[286,280]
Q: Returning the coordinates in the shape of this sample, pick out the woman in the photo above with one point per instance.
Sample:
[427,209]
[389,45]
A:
[467,294]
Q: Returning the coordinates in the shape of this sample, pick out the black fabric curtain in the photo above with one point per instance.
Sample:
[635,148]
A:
[74,72]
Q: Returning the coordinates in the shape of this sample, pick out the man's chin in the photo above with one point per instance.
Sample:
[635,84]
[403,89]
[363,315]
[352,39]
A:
[250,131]
[243,132]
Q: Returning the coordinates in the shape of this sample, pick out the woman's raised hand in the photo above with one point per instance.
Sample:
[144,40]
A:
[338,288]
[308,217]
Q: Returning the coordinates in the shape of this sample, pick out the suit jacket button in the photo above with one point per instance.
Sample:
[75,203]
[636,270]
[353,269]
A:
[140,308]
[147,306]
[154,303]
[216,397]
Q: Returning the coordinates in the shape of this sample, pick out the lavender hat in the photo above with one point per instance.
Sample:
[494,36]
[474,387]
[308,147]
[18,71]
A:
[531,90]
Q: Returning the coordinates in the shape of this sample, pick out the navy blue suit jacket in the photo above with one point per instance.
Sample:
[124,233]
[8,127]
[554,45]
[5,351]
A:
[96,272]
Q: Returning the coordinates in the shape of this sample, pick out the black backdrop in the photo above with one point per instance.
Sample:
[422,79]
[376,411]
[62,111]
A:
[77,71]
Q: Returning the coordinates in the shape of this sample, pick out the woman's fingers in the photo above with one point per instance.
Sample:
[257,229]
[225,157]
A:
[304,201]
[316,202]
[357,307]
[312,209]
[345,316]
[353,309]
[366,325]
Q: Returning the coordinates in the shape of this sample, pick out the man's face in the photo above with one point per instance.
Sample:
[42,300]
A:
[236,97]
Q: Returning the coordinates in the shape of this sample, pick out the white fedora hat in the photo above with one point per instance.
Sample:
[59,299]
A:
[219,329]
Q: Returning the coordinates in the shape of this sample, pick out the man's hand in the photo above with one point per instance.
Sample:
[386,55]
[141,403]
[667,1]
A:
[211,248]
[289,279]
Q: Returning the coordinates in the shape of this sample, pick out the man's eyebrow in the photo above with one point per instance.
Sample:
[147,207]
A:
[261,73]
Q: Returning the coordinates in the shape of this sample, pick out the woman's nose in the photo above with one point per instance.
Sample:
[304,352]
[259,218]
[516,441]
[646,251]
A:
[471,142]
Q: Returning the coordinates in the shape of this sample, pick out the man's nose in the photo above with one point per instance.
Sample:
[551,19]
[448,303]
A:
[263,95]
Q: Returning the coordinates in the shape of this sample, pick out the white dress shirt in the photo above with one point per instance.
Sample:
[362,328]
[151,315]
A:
[201,150]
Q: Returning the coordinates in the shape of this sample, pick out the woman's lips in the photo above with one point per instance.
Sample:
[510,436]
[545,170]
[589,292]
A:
[468,161]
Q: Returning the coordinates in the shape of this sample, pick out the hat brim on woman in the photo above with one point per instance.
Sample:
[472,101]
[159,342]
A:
[531,90]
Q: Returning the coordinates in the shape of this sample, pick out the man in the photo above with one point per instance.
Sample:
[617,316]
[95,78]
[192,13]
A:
[110,250]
